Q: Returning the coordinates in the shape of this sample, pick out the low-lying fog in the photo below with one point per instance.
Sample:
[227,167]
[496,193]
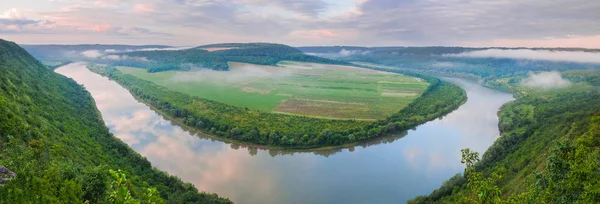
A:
[238,73]
[545,80]
[527,54]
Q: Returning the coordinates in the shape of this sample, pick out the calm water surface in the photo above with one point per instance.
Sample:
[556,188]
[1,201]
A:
[390,170]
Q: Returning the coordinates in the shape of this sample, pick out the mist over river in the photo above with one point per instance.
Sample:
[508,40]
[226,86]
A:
[389,170]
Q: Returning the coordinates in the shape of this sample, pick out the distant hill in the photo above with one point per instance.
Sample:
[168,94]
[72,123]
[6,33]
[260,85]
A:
[337,49]
[214,56]
[427,50]
[53,138]
[240,45]
[485,64]
[421,57]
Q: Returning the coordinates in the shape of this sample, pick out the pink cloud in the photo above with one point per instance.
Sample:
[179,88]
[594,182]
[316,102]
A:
[13,14]
[315,34]
[327,33]
[101,3]
[107,3]
[143,8]
[12,27]
[101,28]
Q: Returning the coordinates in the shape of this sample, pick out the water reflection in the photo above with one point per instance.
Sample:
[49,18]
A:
[387,170]
[253,150]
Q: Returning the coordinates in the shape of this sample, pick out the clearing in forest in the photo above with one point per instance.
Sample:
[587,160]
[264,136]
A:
[320,90]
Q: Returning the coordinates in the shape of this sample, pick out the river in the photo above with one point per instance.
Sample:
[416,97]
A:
[389,170]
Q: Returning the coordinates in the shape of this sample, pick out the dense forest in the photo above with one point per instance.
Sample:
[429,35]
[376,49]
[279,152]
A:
[286,131]
[53,138]
[255,53]
[548,152]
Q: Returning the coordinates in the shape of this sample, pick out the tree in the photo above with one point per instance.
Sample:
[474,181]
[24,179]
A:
[469,158]
[351,137]
[482,189]
[120,189]
[152,196]
[94,183]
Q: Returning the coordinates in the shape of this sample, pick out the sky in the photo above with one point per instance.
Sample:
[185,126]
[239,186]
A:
[475,23]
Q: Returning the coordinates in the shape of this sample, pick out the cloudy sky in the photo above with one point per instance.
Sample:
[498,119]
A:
[530,23]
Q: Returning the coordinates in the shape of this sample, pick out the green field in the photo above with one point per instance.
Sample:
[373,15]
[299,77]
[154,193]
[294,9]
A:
[310,89]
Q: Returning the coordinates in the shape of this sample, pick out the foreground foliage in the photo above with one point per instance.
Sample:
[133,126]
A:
[286,131]
[53,137]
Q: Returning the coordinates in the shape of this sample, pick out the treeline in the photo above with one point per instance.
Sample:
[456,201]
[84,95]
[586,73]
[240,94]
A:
[53,137]
[548,152]
[286,131]
[56,65]
[254,53]
[591,76]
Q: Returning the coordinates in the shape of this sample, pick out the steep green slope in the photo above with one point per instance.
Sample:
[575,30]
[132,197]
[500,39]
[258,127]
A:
[53,137]
[548,152]
[254,53]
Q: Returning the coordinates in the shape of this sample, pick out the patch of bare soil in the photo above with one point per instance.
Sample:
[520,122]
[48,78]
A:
[253,90]
[328,109]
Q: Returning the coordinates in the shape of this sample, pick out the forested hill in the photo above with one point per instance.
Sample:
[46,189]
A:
[53,138]
[214,56]
[548,151]
[338,49]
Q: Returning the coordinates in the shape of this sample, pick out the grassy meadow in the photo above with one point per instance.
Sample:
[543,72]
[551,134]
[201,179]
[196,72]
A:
[318,90]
